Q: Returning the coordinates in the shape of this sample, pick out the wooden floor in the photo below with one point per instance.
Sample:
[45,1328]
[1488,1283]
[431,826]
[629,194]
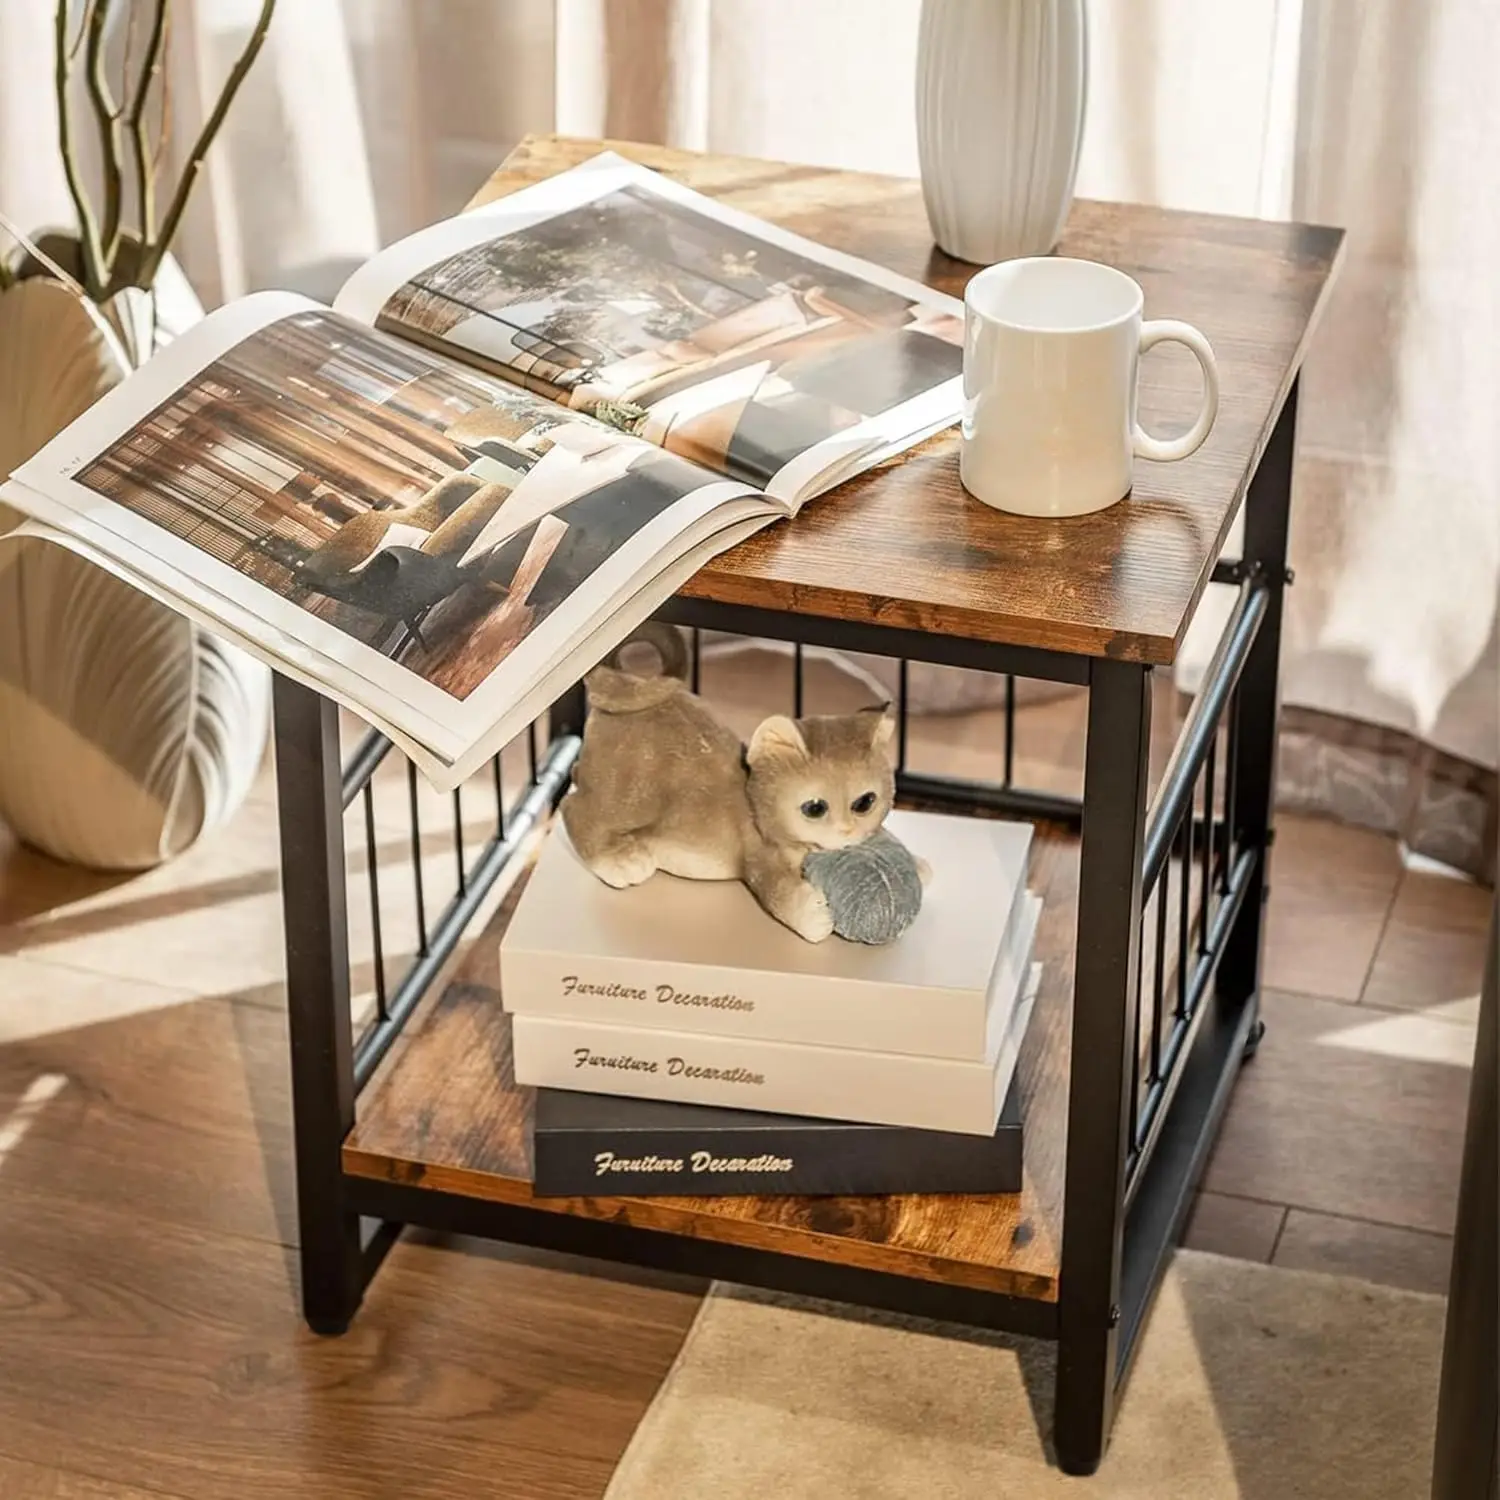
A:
[149,1342]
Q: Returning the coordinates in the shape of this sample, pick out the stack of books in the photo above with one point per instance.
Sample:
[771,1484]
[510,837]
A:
[683,1041]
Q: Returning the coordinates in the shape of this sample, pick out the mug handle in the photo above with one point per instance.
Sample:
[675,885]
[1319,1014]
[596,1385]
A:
[1164,450]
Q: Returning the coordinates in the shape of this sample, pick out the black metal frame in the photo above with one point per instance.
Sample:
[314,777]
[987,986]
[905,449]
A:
[1151,1071]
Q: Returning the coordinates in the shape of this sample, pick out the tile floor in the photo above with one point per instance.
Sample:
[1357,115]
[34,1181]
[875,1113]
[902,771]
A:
[1342,1145]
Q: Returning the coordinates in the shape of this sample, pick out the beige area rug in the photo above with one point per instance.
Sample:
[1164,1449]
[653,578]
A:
[1252,1382]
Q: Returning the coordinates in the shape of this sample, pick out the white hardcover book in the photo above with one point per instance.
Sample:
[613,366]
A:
[836,1083]
[701,956]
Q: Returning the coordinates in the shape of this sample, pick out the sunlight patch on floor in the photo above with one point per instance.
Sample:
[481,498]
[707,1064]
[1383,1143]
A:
[40,999]
[39,1092]
[1441,1034]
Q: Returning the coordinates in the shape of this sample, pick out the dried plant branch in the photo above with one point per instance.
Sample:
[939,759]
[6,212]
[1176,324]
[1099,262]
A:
[111,138]
[164,124]
[83,27]
[124,129]
[94,75]
[153,252]
[132,12]
[91,254]
[148,161]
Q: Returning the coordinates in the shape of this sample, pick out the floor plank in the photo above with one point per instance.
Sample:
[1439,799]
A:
[208,1065]
[211,922]
[1238,1227]
[186,1369]
[1392,1256]
[1433,947]
[23,1481]
[1326,1119]
[206,922]
[178,1115]
[43,998]
[1331,888]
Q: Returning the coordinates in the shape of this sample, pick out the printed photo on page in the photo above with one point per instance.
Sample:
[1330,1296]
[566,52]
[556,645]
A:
[732,344]
[514,436]
[427,513]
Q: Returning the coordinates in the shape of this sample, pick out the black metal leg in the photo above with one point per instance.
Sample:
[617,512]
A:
[1104,1030]
[1253,751]
[317,977]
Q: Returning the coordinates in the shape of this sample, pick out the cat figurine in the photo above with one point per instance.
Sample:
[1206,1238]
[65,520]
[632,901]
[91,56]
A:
[661,784]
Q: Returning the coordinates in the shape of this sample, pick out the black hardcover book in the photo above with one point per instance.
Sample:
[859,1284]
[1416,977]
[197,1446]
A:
[595,1145]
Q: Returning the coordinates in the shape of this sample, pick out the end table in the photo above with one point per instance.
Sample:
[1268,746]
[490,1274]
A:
[1152,930]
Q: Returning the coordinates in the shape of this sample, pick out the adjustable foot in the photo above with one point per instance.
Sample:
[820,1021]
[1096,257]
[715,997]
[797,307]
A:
[1252,1042]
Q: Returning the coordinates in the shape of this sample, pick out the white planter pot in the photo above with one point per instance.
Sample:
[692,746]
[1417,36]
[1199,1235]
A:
[1001,88]
[125,731]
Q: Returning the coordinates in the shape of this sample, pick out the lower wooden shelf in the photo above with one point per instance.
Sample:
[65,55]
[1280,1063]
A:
[445,1113]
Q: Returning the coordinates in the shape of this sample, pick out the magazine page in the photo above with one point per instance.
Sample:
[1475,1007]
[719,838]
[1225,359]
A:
[415,737]
[613,290]
[726,528]
[422,541]
[292,658]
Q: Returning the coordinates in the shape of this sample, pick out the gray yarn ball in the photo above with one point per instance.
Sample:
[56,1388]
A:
[873,889]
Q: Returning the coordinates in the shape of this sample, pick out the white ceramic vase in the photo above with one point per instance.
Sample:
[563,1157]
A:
[1001,89]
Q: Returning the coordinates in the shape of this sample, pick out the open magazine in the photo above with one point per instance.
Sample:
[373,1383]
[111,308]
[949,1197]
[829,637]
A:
[513,436]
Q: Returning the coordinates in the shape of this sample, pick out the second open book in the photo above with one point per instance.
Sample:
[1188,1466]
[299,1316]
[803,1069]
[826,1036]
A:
[513,436]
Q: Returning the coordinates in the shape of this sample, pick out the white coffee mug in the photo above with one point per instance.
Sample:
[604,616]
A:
[1051,350]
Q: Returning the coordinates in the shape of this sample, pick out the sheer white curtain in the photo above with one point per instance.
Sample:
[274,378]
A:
[1367,113]
[368,117]
[1400,511]
[1378,115]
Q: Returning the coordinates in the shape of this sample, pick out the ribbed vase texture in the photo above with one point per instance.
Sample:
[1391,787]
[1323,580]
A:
[1001,88]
